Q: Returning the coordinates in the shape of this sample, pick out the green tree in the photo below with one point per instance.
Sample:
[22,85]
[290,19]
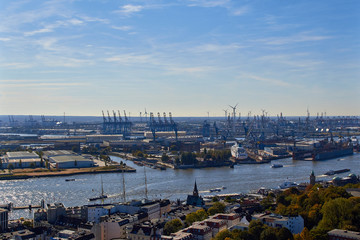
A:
[199,215]
[267,202]
[336,213]
[222,235]
[218,207]
[164,158]
[172,226]
[256,227]
[268,234]
[10,166]
[244,235]
[284,234]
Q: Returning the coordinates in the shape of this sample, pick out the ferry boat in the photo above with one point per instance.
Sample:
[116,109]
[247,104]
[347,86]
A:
[238,152]
[288,185]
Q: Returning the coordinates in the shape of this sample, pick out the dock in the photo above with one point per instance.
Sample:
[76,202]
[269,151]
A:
[25,207]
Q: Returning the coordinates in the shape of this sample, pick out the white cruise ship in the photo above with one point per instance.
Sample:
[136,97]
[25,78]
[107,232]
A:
[238,152]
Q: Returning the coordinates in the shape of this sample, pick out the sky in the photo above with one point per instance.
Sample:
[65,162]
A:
[188,57]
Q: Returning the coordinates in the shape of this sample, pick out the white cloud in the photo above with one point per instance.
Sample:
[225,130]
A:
[301,37]
[239,11]
[217,48]
[57,24]
[129,59]
[208,3]
[16,65]
[275,82]
[43,30]
[5,39]
[129,9]
[122,28]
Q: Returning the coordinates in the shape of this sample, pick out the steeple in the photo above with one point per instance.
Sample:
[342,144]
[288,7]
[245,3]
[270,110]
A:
[195,192]
[312,178]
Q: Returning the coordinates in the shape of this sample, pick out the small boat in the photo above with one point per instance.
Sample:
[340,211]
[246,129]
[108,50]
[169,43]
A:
[97,198]
[70,179]
[276,166]
[215,190]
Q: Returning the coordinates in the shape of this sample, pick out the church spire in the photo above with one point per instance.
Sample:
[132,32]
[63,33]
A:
[195,192]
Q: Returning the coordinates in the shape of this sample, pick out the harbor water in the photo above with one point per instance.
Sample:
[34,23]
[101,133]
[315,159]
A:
[170,183]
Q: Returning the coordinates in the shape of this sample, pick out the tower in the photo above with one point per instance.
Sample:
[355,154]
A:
[312,178]
[195,192]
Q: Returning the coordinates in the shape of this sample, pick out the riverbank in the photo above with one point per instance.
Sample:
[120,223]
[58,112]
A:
[41,172]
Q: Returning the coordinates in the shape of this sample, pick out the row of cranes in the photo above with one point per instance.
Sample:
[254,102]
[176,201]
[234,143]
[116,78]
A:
[162,125]
[116,124]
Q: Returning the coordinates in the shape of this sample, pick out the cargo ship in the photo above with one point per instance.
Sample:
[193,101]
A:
[326,150]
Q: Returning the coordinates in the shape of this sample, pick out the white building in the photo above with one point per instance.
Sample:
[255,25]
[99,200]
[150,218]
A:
[95,212]
[294,223]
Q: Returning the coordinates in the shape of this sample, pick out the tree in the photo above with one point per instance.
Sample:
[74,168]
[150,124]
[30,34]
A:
[336,213]
[164,158]
[222,235]
[10,166]
[75,163]
[218,207]
[172,226]
[268,234]
[284,234]
[256,227]
[305,234]
[244,235]
[199,215]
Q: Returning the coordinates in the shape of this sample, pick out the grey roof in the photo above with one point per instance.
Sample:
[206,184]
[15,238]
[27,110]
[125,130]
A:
[344,233]
[70,158]
[21,154]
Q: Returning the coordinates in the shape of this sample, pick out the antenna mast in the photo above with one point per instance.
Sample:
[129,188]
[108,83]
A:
[123,182]
[146,190]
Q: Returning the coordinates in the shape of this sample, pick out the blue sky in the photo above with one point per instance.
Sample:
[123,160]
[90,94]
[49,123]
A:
[189,57]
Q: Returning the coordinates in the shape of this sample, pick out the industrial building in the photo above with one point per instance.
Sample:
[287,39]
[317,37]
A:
[67,159]
[20,159]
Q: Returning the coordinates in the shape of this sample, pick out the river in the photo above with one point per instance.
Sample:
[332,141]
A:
[172,184]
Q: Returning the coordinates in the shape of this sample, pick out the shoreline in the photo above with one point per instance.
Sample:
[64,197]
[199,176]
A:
[65,172]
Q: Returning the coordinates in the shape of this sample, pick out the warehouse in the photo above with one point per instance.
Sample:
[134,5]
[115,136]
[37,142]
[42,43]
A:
[67,159]
[20,159]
